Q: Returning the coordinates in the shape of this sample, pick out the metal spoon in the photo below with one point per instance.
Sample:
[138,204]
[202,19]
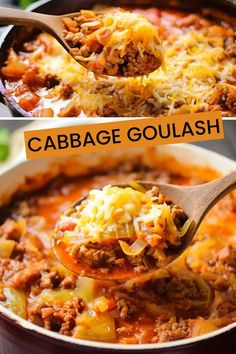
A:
[196,201]
[49,23]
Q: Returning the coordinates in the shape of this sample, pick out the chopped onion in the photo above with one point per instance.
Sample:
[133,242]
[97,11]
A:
[185,228]
[137,186]
[6,248]
[135,249]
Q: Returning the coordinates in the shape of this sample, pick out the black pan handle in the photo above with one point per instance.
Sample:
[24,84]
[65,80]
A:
[2,99]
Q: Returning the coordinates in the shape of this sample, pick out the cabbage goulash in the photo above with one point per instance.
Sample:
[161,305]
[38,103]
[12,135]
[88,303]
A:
[199,74]
[194,295]
[119,232]
[116,43]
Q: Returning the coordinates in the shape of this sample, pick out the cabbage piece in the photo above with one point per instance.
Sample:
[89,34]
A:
[185,228]
[100,304]
[50,296]
[6,248]
[95,326]
[203,326]
[138,187]
[135,249]
[16,301]
[85,289]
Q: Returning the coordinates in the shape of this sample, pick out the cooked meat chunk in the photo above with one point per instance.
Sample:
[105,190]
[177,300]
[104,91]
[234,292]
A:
[49,280]
[179,215]
[177,288]
[231,50]
[59,317]
[127,310]
[225,308]
[69,282]
[25,277]
[33,78]
[173,330]
[136,65]
[225,97]
[93,256]
[51,80]
[10,230]
[66,91]
[109,111]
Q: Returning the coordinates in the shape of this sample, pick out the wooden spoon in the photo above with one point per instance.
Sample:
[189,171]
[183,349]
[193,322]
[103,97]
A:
[196,201]
[54,26]
[48,23]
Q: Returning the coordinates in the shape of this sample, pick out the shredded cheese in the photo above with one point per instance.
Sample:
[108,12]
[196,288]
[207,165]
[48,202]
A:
[193,67]
[120,213]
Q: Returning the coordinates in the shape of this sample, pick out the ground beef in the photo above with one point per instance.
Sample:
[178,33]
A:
[225,308]
[10,231]
[137,65]
[174,288]
[51,80]
[231,50]
[24,278]
[58,317]
[108,111]
[66,91]
[224,97]
[179,215]
[69,282]
[49,280]
[172,330]
[33,78]
[189,296]
[127,309]
[8,268]
[93,256]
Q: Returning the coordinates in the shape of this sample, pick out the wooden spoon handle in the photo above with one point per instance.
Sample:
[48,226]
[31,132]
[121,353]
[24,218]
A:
[207,195]
[21,17]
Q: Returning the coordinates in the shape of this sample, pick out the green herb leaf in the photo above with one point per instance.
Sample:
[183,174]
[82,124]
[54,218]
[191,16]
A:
[26,3]
[4,144]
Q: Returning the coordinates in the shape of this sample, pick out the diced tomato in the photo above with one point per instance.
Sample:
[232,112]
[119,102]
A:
[14,70]
[68,227]
[29,102]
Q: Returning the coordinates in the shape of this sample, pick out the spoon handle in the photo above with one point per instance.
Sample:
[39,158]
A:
[10,16]
[207,195]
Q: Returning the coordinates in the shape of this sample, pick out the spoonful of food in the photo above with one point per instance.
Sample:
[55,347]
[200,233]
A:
[115,43]
[125,231]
